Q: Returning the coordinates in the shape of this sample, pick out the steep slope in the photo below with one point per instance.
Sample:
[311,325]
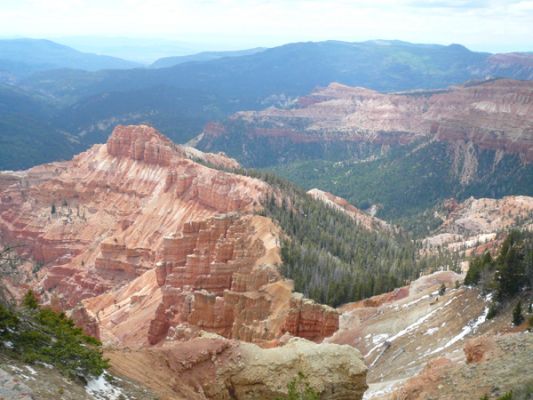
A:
[147,249]
[361,218]
[419,343]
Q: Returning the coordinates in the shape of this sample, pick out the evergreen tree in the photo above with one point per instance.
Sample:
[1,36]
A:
[518,318]
[30,300]
[493,310]
[442,289]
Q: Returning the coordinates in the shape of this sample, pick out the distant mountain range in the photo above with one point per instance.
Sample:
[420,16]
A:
[166,62]
[180,100]
[20,57]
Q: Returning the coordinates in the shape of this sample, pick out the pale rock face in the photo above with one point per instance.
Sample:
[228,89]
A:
[473,225]
[220,369]
[334,371]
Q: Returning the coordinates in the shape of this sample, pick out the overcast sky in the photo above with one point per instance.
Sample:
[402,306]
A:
[492,25]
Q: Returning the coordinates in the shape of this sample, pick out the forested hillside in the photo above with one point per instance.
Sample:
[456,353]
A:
[410,180]
[330,258]
[27,136]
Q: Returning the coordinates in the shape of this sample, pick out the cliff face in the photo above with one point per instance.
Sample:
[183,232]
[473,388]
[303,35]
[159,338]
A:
[154,243]
[96,222]
[473,225]
[343,121]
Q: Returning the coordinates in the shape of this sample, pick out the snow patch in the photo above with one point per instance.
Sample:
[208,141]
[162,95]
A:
[375,392]
[32,371]
[46,365]
[403,332]
[470,327]
[431,331]
[427,296]
[101,389]
[379,338]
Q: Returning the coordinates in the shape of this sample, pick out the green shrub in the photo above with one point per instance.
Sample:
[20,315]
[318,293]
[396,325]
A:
[507,274]
[40,334]
[8,319]
[30,300]
[442,289]
[300,389]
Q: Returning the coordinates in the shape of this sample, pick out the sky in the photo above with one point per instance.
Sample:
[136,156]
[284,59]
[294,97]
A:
[484,25]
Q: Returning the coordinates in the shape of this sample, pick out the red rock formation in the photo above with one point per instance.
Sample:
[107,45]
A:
[150,240]
[211,279]
[95,222]
[493,115]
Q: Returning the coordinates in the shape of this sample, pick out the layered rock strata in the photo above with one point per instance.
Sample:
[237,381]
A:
[153,243]
[493,115]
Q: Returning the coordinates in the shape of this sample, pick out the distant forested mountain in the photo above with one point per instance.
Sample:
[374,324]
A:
[181,99]
[20,57]
[27,136]
[166,62]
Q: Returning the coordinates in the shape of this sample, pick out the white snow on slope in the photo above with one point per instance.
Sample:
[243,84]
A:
[100,389]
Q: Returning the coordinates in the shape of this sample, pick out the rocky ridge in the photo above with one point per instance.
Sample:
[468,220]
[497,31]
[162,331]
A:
[213,367]
[148,248]
[475,225]
[361,122]
[360,217]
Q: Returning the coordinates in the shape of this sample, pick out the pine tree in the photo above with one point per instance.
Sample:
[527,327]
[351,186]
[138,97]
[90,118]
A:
[518,318]
[492,311]
[30,300]
[442,289]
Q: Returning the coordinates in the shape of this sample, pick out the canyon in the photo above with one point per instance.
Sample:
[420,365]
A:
[493,115]
[168,259]
[397,154]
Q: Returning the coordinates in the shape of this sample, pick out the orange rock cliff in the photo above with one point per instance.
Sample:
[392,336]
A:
[146,244]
